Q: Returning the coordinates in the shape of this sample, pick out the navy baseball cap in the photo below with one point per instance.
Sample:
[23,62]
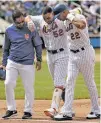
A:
[59,8]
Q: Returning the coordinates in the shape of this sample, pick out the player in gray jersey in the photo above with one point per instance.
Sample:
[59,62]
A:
[81,59]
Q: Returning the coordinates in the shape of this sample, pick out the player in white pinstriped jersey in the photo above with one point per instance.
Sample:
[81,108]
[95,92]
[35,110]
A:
[81,59]
[55,38]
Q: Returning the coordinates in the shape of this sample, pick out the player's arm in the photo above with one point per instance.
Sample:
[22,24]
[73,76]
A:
[31,20]
[37,43]
[79,23]
[78,20]
[77,10]
[6,47]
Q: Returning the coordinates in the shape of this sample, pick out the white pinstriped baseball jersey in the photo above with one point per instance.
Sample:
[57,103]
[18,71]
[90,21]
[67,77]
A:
[55,37]
[53,34]
[77,37]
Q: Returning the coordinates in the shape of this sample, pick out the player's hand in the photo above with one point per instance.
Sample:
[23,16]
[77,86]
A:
[71,16]
[38,65]
[3,67]
[30,23]
[31,26]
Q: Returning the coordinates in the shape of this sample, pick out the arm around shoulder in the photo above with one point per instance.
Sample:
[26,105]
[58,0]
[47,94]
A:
[79,20]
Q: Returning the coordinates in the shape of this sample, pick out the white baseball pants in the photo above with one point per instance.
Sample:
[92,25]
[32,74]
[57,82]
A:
[58,71]
[27,74]
[83,62]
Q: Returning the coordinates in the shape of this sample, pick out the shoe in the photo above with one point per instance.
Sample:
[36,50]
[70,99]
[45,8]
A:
[27,115]
[62,117]
[10,114]
[51,112]
[93,115]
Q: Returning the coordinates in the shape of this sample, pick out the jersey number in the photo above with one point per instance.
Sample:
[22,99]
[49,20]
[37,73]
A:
[58,33]
[75,35]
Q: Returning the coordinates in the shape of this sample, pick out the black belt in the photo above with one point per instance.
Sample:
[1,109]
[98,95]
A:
[78,50]
[55,51]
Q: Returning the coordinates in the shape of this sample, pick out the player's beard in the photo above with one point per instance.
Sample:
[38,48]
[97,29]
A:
[50,22]
[20,27]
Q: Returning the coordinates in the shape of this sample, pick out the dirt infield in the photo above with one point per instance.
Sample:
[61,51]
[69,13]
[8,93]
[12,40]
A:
[81,108]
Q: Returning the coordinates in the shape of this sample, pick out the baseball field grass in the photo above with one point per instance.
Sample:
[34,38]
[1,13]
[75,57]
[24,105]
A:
[44,85]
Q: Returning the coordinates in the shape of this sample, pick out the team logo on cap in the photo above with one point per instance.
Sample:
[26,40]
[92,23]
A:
[26,36]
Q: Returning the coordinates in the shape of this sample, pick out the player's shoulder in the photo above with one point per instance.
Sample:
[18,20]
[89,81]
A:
[80,16]
[10,27]
[38,17]
[58,21]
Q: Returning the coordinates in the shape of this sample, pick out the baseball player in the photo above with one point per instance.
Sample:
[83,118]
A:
[55,39]
[81,59]
[18,58]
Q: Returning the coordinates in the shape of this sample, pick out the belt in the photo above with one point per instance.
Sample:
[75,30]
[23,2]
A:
[55,51]
[78,50]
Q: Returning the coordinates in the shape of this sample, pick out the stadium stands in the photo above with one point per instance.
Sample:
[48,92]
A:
[91,10]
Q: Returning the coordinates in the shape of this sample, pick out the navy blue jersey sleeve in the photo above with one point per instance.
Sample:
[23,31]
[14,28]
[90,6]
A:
[6,47]
[37,42]
[39,52]
[36,38]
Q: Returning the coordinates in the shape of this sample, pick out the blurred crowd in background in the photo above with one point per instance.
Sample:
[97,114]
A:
[91,9]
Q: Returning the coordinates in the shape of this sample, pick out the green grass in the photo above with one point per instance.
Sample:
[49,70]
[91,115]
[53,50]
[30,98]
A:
[97,50]
[44,85]
[81,89]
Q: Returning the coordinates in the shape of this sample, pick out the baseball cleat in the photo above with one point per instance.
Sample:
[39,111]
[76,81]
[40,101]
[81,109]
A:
[51,112]
[27,115]
[62,117]
[10,114]
[93,115]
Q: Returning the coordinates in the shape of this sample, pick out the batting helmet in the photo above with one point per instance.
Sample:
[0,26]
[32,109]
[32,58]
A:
[2,74]
[59,8]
